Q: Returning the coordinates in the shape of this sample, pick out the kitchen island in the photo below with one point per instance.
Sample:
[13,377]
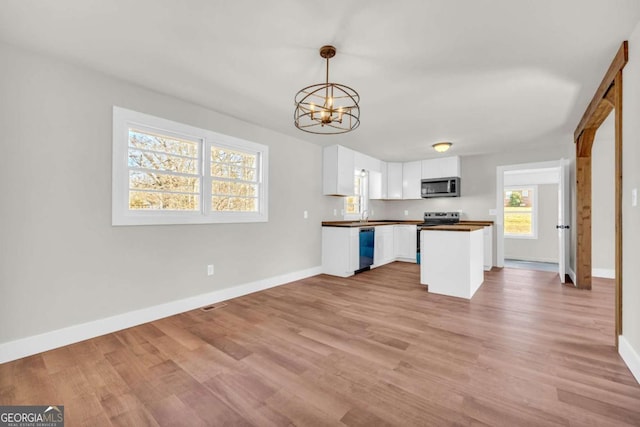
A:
[452,259]
[449,253]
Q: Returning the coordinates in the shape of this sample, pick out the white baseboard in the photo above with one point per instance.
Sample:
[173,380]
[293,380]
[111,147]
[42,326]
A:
[630,357]
[572,274]
[28,346]
[534,259]
[604,273]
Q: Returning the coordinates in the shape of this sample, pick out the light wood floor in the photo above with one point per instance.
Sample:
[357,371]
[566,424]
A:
[371,350]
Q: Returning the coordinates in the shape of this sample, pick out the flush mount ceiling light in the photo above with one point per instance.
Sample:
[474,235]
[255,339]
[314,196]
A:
[441,147]
[327,108]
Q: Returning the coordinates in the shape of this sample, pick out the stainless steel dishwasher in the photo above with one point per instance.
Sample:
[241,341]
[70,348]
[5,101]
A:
[367,239]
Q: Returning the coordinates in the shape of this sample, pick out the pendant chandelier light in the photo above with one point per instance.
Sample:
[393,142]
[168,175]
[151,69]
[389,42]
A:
[327,108]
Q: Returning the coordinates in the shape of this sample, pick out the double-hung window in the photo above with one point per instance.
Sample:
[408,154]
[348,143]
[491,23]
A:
[166,172]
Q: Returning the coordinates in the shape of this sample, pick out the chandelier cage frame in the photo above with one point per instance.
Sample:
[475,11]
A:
[327,108]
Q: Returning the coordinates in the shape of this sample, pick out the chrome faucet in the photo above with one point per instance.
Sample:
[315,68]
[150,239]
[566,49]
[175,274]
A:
[365,216]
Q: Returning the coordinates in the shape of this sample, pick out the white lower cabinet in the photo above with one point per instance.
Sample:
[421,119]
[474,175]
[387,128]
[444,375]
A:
[341,247]
[404,242]
[340,250]
[383,252]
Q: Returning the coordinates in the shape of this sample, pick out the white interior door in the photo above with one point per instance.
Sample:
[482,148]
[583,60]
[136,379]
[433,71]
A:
[564,215]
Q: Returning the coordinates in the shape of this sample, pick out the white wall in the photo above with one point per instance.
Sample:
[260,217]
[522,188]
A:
[603,223]
[545,248]
[631,214]
[62,262]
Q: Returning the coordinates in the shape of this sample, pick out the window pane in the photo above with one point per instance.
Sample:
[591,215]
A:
[223,155]
[234,204]
[233,165]
[234,189]
[353,205]
[518,221]
[250,174]
[518,211]
[251,205]
[149,190]
[154,142]
[357,184]
[154,181]
[145,200]
[161,161]
[231,171]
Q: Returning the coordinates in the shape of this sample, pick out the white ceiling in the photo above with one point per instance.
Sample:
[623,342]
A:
[488,75]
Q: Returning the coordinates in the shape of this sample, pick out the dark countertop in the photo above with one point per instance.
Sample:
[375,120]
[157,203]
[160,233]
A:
[482,223]
[461,226]
[453,227]
[372,223]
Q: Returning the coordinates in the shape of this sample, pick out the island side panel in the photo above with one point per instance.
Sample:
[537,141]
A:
[452,261]
[476,260]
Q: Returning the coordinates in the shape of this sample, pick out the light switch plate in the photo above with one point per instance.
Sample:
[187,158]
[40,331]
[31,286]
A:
[634,197]
[492,212]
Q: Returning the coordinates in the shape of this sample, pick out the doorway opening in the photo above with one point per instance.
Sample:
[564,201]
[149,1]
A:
[532,229]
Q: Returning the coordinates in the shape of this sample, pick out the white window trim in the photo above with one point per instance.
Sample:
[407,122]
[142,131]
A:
[534,213]
[123,119]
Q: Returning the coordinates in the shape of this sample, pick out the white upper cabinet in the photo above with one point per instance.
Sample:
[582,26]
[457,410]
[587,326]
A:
[375,185]
[368,163]
[338,169]
[411,176]
[394,181]
[384,185]
[387,180]
[441,168]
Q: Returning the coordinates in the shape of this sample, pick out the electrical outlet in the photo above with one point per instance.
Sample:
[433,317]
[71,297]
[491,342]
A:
[406,213]
[335,212]
[492,212]
[305,215]
[210,270]
[634,197]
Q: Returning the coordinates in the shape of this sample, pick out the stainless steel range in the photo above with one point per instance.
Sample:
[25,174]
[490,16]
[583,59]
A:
[440,218]
[435,218]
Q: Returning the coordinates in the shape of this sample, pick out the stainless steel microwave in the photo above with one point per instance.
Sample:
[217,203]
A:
[440,187]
